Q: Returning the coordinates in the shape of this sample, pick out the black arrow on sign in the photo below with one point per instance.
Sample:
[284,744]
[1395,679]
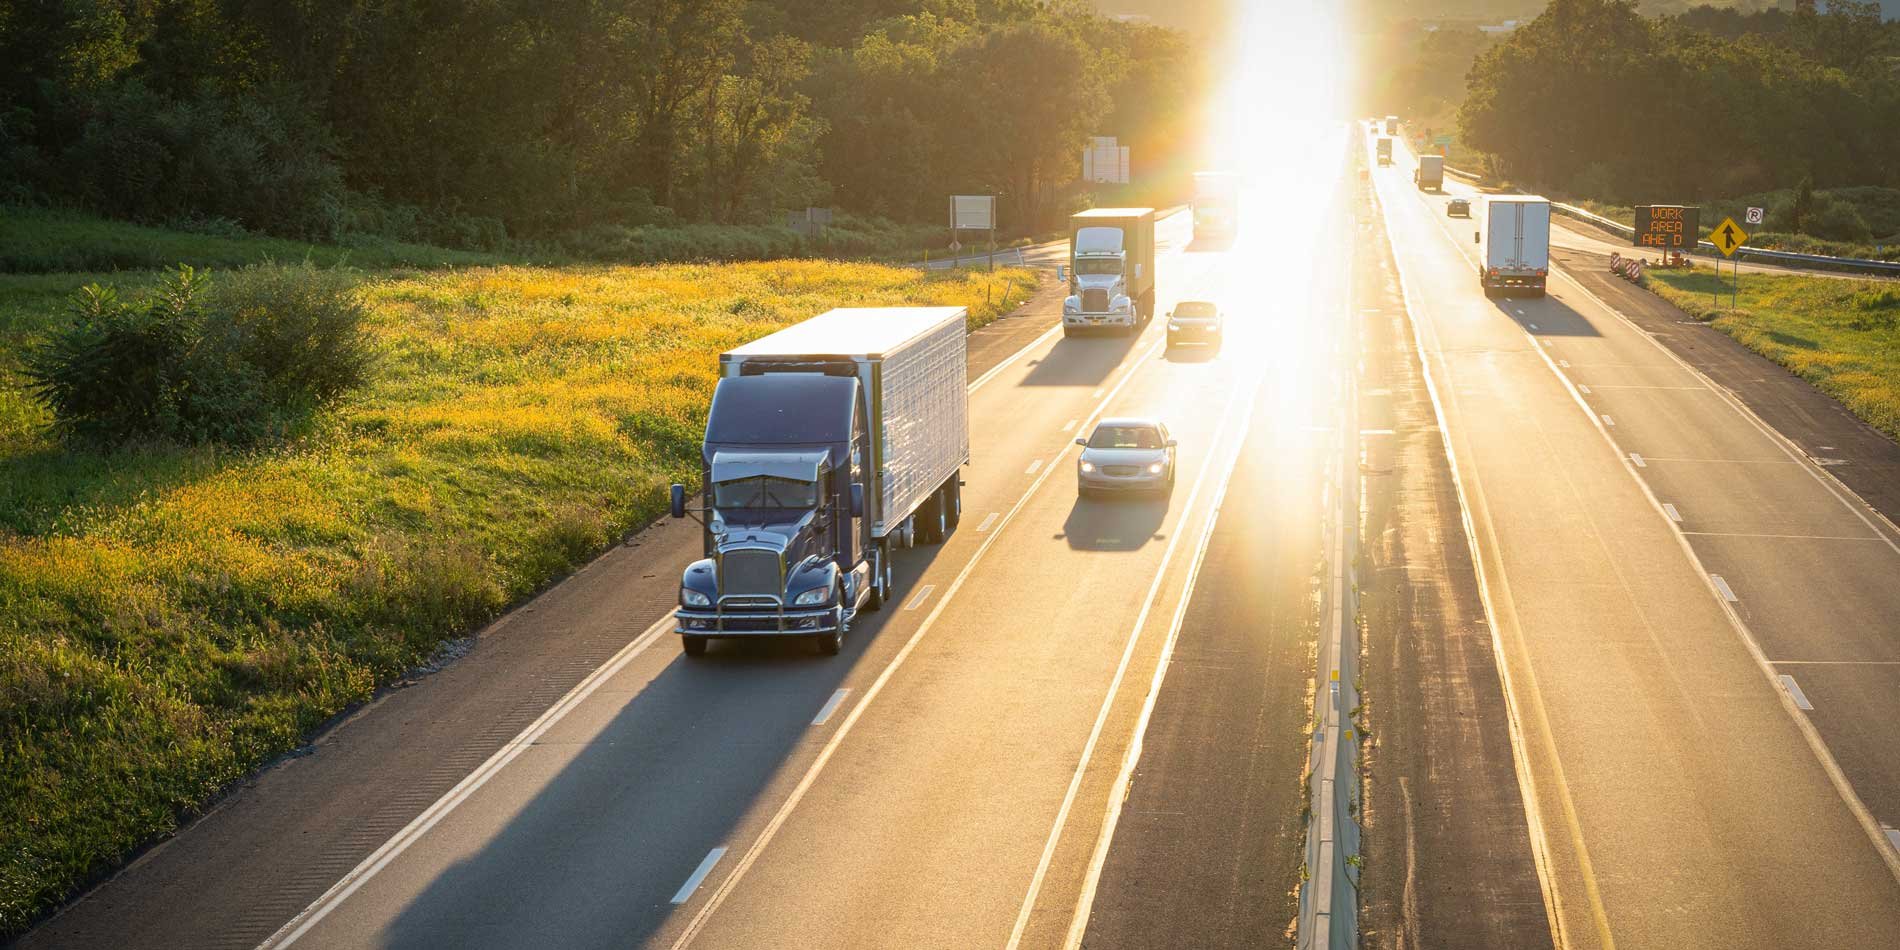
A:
[1728,236]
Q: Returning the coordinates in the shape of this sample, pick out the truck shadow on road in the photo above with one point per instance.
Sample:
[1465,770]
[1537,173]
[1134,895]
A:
[1082,360]
[619,815]
[1115,524]
[1544,316]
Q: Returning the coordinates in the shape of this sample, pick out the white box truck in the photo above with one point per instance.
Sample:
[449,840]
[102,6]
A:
[1513,243]
[1430,175]
[1216,205]
[829,445]
[1111,272]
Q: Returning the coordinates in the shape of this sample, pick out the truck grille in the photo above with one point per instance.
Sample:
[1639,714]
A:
[749,572]
[1095,301]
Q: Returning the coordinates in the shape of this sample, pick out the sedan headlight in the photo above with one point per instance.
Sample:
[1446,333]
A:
[693,598]
[1154,468]
[1088,466]
[812,598]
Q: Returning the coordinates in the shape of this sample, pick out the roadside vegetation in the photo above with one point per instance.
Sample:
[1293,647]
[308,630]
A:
[180,605]
[1843,336]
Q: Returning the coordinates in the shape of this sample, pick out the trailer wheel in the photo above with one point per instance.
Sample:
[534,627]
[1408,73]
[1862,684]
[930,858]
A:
[692,645]
[931,518]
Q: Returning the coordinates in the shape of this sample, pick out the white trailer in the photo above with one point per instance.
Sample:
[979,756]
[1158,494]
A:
[1514,243]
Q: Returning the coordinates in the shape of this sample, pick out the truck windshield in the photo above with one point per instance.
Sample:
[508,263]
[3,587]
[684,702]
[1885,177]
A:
[765,491]
[1092,266]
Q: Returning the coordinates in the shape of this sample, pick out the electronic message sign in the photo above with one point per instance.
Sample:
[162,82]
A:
[1666,227]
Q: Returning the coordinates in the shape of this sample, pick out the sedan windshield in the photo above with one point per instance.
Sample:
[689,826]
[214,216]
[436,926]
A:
[1091,267]
[765,491]
[1125,437]
[1193,309]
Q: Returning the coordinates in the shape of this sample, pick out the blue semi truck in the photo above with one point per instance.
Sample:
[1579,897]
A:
[830,445]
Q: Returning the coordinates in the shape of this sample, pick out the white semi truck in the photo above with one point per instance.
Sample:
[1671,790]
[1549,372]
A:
[1216,205]
[1513,243]
[1111,270]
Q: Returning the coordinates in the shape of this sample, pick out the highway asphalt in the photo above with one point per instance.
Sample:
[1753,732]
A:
[1656,560]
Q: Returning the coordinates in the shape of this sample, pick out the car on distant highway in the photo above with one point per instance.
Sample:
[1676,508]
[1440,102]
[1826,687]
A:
[1457,208]
[1126,455]
[1194,321]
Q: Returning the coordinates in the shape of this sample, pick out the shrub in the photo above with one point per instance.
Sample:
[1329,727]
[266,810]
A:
[190,364]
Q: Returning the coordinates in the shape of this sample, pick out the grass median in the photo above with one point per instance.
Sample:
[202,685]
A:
[171,617]
[1841,335]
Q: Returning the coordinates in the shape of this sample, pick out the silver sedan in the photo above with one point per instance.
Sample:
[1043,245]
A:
[1126,455]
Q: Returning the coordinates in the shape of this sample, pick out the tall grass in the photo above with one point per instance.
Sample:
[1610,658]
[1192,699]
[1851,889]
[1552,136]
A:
[1841,335]
[172,617]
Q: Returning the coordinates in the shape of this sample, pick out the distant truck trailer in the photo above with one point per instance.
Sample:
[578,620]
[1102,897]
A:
[1392,125]
[1384,147]
[829,445]
[1514,244]
[1430,175]
[1216,205]
[1111,271]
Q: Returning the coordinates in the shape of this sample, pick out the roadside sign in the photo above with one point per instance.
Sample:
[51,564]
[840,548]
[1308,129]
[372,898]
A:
[1666,227]
[1727,237]
[1104,161]
[1753,216]
[973,212]
[1442,140]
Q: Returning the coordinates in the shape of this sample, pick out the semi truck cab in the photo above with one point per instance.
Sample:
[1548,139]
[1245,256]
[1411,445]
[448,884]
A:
[1111,270]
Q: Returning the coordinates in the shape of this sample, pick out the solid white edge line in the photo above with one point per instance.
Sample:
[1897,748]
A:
[831,706]
[1028,906]
[1526,779]
[699,874]
[1794,692]
[812,772]
[369,867]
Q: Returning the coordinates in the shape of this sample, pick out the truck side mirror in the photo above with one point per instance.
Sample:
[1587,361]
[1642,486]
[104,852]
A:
[857,499]
[679,500]
[1062,273]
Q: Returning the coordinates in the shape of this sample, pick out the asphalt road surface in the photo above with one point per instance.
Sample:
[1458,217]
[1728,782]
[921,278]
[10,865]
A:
[1673,585]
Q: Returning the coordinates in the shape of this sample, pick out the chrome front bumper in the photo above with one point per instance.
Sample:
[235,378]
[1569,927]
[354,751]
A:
[1098,319]
[757,623]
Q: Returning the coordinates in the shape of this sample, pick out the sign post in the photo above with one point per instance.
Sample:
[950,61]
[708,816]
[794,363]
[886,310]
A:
[1728,239]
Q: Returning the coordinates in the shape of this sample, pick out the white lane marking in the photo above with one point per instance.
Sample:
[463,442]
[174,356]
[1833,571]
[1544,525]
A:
[990,520]
[705,867]
[1789,537]
[1564,363]
[1586,389]
[368,868]
[1674,515]
[1607,420]
[1533,326]
[1068,425]
[1794,691]
[1128,655]
[851,718]
[1721,587]
[1893,836]
[923,594]
[1835,662]
[1638,459]
[1096,395]
[1033,467]
[831,706]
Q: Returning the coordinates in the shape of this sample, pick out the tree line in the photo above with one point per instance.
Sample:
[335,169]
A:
[1595,99]
[476,122]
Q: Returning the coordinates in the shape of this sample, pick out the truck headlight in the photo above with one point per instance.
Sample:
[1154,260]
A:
[1071,305]
[693,598]
[812,598]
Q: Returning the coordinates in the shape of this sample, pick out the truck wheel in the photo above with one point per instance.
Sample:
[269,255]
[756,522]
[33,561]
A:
[692,645]
[830,643]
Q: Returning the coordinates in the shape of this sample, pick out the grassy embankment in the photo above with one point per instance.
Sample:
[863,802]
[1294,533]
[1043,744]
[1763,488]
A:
[172,617]
[1843,336]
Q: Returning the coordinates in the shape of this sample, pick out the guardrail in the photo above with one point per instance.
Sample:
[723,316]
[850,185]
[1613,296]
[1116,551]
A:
[1329,891]
[1857,265]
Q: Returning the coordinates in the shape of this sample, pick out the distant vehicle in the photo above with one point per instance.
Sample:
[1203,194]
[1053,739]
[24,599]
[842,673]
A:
[829,444]
[1195,321]
[1384,147]
[1392,125]
[1514,244]
[1458,208]
[1216,205]
[1430,175]
[1126,455]
[1111,270]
